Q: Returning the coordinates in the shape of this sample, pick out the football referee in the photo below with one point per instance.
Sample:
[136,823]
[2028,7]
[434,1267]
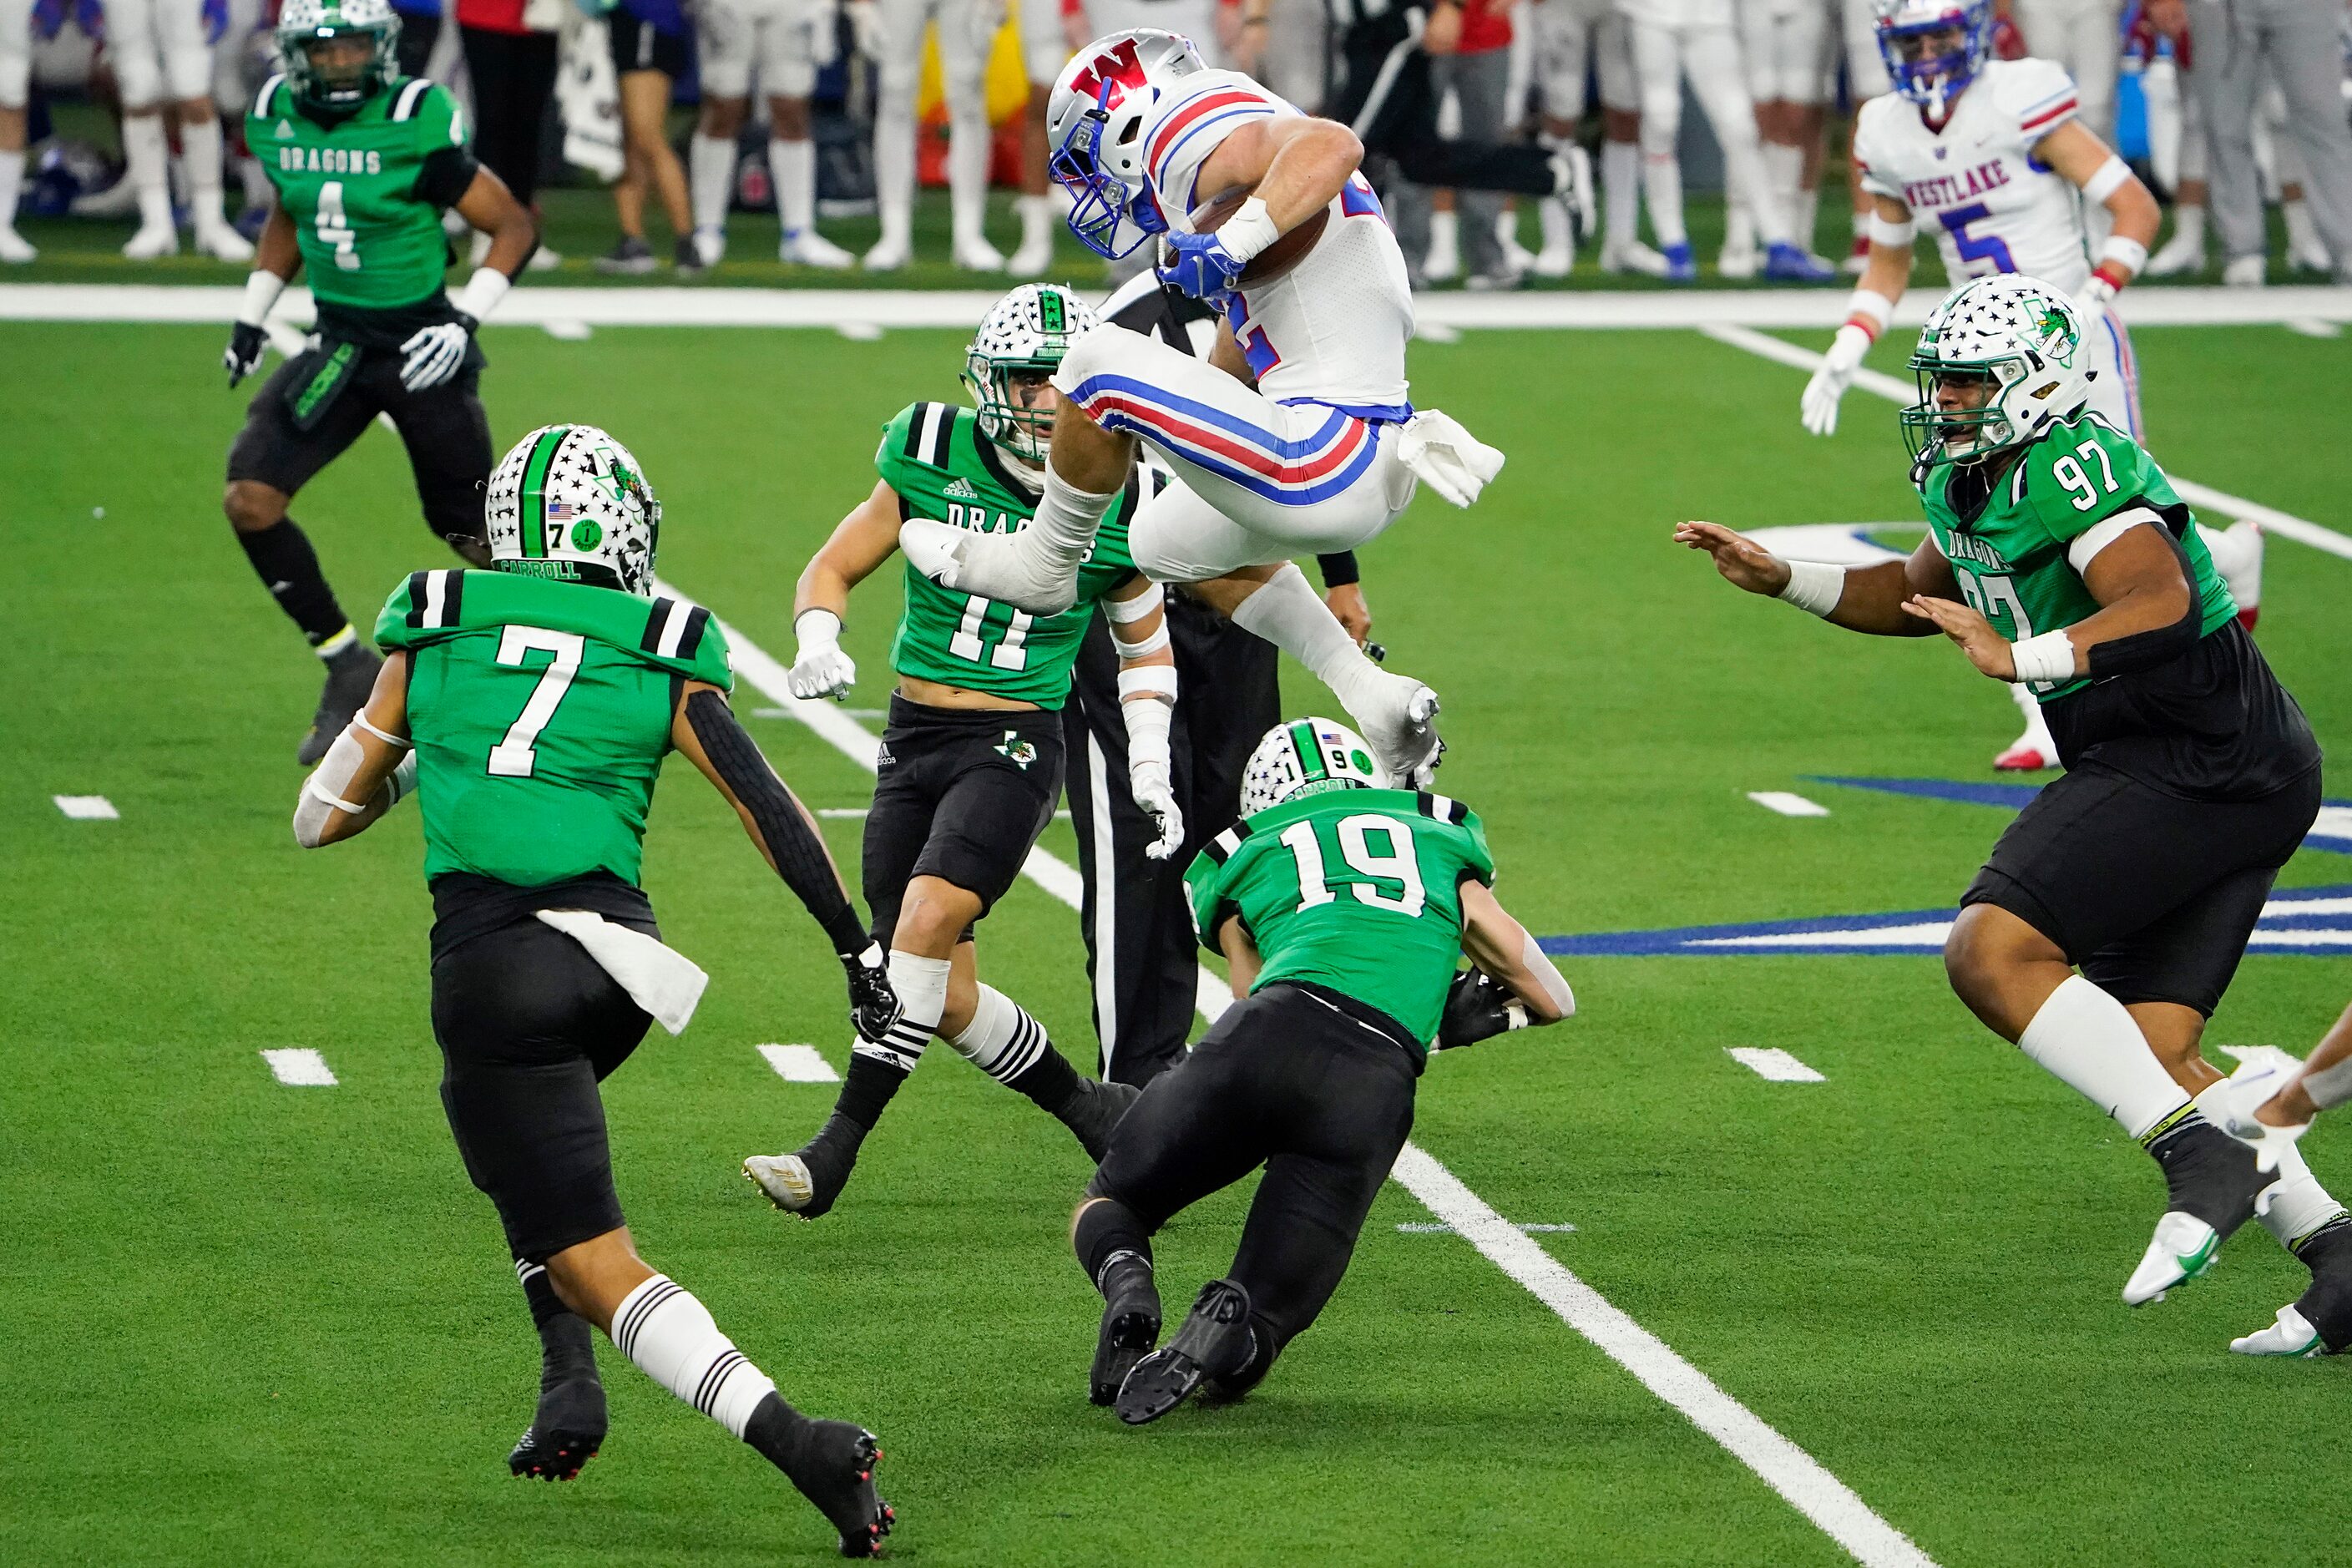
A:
[1140,954]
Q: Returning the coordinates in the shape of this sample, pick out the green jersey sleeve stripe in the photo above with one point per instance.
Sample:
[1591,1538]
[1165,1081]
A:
[534,492]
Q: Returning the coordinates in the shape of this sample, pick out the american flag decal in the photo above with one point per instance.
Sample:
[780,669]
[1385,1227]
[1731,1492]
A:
[561,511]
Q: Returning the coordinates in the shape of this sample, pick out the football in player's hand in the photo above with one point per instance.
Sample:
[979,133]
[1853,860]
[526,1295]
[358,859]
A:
[1276,258]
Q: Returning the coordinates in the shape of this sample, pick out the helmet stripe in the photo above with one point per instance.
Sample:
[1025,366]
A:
[1310,753]
[531,510]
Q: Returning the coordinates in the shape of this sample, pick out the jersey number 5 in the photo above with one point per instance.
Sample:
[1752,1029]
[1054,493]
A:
[1396,863]
[1975,248]
[514,758]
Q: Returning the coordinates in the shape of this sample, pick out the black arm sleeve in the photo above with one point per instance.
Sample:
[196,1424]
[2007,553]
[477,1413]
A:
[2160,645]
[446,174]
[786,831]
[1338,569]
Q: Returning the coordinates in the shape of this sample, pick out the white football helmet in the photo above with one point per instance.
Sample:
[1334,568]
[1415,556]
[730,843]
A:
[1094,125]
[2021,335]
[569,502]
[302,22]
[1305,756]
[1026,332]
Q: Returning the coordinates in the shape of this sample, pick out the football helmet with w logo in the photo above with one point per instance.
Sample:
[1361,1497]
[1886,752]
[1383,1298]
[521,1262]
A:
[1093,123]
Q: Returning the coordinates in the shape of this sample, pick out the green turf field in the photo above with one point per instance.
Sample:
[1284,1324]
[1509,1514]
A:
[249,1323]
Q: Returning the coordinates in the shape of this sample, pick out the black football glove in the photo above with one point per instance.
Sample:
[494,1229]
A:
[1477,1008]
[874,1008]
[246,344]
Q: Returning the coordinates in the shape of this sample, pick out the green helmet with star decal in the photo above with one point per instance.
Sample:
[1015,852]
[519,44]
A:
[2025,341]
[1024,336]
[569,502]
[304,24]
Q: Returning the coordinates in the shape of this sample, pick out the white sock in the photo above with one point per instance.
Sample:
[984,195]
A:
[1783,166]
[671,1335]
[1036,221]
[1662,186]
[2302,239]
[1551,214]
[2088,1040]
[1621,185]
[793,165]
[1066,517]
[968,150]
[145,166]
[711,178]
[1804,214]
[12,184]
[1444,243]
[1739,228]
[1001,1040]
[894,166]
[200,152]
[922,987]
[2298,1204]
[1289,614]
[2189,219]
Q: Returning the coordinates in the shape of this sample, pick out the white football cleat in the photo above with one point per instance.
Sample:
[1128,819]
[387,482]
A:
[2181,253]
[810,248]
[974,254]
[710,246]
[2245,272]
[119,199]
[2292,1335]
[1032,260]
[993,566]
[1633,256]
[15,248]
[222,243]
[153,241]
[2183,1248]
[1738,261]
[542,260]
[1553,261]
[1400,725]
[783,1177]
[888,255]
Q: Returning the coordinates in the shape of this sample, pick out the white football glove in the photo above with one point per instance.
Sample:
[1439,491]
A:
[1148,782]
[2092,302]
[1819,404]
[867,32]
[434,354]
[822,669]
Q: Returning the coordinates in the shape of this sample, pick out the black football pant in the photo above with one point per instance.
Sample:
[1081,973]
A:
[1141,949]
[1315,1085]
[1384,92]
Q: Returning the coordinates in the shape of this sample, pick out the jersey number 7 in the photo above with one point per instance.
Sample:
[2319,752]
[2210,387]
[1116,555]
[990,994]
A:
[514,757]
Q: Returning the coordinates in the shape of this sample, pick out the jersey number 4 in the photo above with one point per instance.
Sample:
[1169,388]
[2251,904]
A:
[335,229]
[1398,863]
[515,757]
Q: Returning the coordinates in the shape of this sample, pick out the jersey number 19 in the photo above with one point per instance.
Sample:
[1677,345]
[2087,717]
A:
[1398,861]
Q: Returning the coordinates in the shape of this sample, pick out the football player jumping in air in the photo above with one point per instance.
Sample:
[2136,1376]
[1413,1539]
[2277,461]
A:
[1342,909]
[2191,774]
[364,161]
[1296,437]
[1990,154]
[530,708]
[972,763]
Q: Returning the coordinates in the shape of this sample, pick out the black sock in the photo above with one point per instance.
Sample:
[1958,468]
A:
[867,1092]
[567,1346]
[288,568]
[1050,1081]
[843,928]
[2207,1173]
[1108,1236]
[2328,1305]
[776,1430]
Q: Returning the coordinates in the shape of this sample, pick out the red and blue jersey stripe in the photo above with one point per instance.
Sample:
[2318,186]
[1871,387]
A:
[1301,472]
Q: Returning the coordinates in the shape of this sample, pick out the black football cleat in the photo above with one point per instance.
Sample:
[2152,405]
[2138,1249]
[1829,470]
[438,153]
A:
[564,1434]
[832,1463]
[1094,1111]
[874,1009]
[351,677]
[1214,1341]
[1130,1327]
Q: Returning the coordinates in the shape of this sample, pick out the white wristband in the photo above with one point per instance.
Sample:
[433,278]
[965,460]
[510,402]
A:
[1248,231]
[482,292]
[2106,180]
[816,630]
[2128,254]
[1135,609]
[1890,234]
[2049,657]
[1814,586]
[1148,719]
[1875,309]
[262,288]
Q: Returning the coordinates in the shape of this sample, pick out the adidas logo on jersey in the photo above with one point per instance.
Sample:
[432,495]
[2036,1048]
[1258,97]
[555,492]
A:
[285,131]
[961,489]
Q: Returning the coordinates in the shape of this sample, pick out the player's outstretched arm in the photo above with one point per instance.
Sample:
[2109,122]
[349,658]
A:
[863,541]
[2078,156]
[368,771]
[1860,598]
[1137,614]
[1868,312]
[1501,947]
[2147,615]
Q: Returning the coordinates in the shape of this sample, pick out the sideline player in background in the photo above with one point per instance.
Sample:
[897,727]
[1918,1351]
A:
[364,161]
[966,30]
[1342,909]
[1296,438]
[1991,153]
[1786,46]
[1568,34]
[540,699]
[162,55]
[2191,774]
[16,91]
[788,41]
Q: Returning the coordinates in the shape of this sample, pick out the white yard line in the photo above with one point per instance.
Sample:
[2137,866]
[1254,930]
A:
[87,807]
[1788,1469]
[1787,803]
[300,1067]
[1772,1062]
[2286,525]
[800,1063]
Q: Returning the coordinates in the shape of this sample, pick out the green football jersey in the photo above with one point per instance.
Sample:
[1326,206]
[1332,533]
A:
[1358,889]
[934,456]
[2016,556]
[370,238]
[540,712]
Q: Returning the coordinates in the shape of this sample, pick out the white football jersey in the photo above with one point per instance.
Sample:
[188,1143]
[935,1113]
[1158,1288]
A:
[1333,329]
[1975,186]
